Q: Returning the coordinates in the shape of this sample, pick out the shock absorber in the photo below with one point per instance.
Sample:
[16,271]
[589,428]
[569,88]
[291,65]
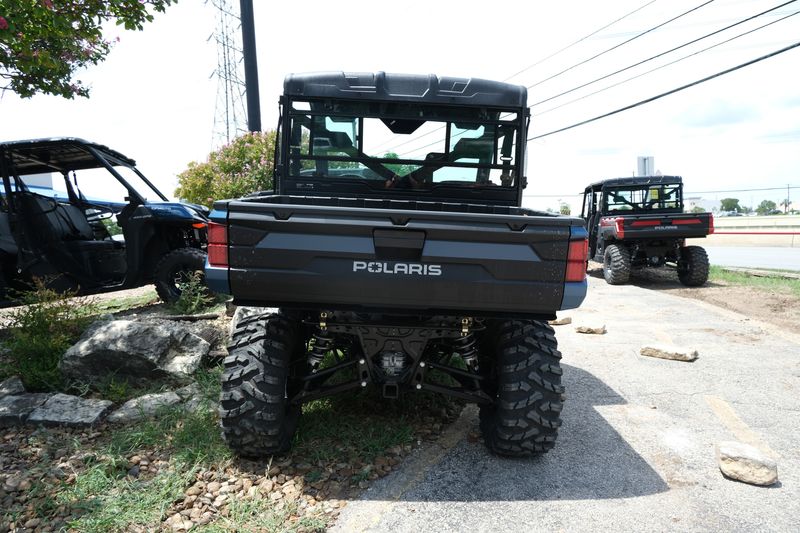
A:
[323,343]
[465,347]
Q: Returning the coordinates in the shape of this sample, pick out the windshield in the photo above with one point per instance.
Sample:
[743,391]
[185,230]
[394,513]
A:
[392,145]
[644,198]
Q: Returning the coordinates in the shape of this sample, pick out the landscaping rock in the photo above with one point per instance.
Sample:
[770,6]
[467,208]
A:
[143,407]
[560,321]
[673,353]
[136,351]
[592,330]
[746,463]
[11,386]
[15,409]
[244,312]
[66,410]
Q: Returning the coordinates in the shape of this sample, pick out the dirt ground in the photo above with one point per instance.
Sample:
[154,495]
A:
[767,305]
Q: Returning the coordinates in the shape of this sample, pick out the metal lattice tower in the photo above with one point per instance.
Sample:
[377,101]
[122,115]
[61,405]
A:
[230,116]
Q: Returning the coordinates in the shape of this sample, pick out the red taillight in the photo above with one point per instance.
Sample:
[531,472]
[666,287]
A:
[619,227]
[576,260]
[686,221]
[638,223]
[217,245]
[710,224]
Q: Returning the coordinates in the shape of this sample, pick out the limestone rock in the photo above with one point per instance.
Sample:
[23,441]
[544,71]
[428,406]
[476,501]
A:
[136,351]
[11,386]
[563,321]
[15,409]
[592,330]
[65,410]
[143,407]
[746,463]
[674,353]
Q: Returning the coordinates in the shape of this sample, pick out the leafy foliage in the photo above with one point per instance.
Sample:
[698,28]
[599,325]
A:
[730,204]
[767,207]
[43,43]
[239,168]
[194,295]
[41,330]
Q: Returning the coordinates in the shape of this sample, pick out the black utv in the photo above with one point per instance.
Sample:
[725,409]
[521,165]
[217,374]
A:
[76,242]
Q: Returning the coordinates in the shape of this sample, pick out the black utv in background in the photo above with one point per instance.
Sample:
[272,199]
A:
[639,222]
[396,249]
[63,238]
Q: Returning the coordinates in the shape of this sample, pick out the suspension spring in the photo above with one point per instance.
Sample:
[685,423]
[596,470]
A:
[465,347]
[323,343]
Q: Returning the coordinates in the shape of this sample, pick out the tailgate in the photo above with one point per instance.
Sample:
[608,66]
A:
[667,226]
[382,260]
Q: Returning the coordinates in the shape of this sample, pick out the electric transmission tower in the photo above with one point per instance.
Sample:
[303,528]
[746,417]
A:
[230,116]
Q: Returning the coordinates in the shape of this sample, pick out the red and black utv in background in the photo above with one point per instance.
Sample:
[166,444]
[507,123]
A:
[639,222]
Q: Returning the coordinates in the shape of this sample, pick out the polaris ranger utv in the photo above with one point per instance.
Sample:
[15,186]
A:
[639,222]
[61,235]
[395,246]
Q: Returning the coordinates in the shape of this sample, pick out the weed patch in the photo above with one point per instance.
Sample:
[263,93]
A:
[40,331]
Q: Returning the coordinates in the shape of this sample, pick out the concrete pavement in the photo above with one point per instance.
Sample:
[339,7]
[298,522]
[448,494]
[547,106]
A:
[754,256]
[636,449]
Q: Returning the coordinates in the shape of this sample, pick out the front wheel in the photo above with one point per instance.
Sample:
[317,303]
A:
[526,387]
[174,269]
[693,266]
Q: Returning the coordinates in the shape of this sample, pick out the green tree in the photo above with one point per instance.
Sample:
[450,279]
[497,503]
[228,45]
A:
[241,167]
[766,207]
[564,208]
[43,43]
[730,204]
[697,209]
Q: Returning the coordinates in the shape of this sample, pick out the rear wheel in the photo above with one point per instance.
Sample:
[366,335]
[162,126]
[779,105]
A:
[526,386]
[693,266]
[616,264]
[174,269]
[255,414]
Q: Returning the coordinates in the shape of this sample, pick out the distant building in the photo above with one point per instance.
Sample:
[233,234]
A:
[690,202]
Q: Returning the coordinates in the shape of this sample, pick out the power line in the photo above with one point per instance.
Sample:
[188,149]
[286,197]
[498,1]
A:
[623,43]
[595,32]
[684,45]
[668,93]
[666,64]
[395,146]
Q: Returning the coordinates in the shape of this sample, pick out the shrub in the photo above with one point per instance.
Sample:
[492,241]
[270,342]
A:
[195,296]
[40,331]
[241,167]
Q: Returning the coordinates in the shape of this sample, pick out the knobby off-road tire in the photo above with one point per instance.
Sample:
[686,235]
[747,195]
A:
[174,265]
[616,264]
[255,414]
[693,266]
[527,389]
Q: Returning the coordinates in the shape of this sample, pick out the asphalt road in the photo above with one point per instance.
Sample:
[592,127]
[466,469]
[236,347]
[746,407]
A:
[637,447]
[754,257]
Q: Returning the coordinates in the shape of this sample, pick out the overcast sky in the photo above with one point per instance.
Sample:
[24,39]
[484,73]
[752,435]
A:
[154,99]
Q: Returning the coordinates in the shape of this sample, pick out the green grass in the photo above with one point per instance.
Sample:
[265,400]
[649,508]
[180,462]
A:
[775,283]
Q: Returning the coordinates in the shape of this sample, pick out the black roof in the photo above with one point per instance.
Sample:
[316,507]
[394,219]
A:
[430,88]
[37,156]
[634,181]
